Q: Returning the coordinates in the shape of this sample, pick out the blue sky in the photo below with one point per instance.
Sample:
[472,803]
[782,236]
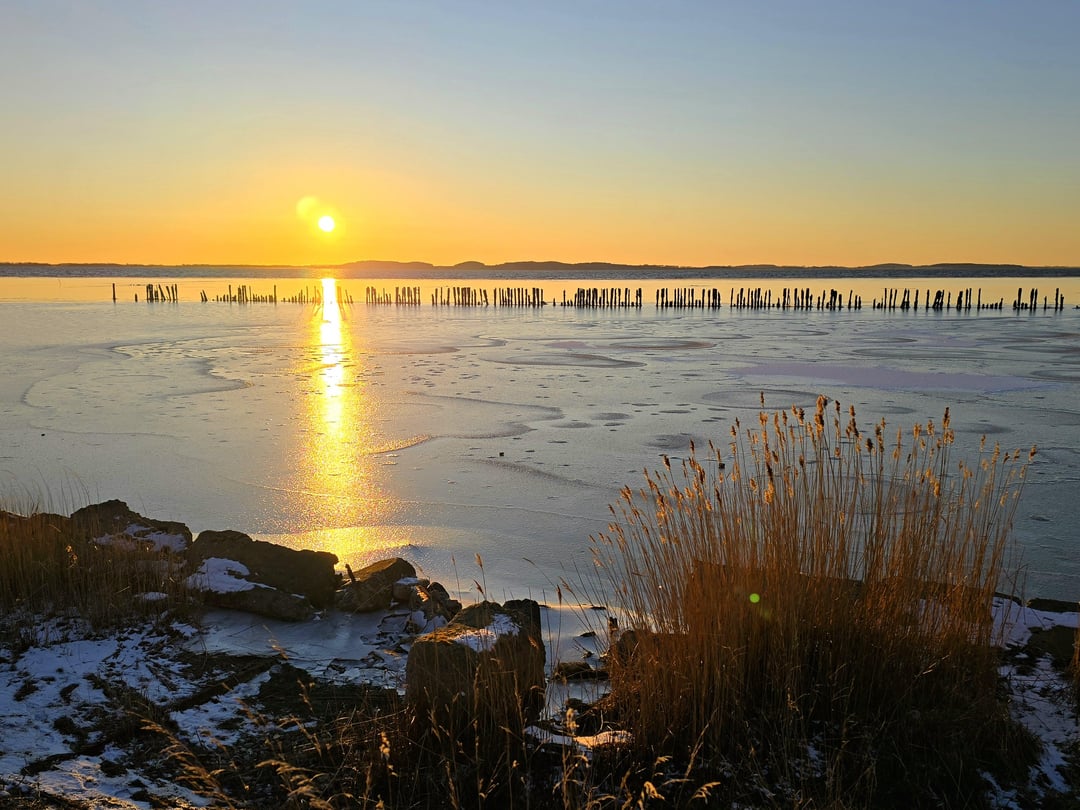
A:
[685,133]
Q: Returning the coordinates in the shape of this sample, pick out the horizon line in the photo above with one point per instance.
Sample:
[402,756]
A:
[473,264]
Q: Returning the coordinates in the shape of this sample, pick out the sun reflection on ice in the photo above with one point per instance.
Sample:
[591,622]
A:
[334,345]
[340,464]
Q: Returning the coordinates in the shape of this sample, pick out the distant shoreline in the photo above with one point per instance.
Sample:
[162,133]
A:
[530,270]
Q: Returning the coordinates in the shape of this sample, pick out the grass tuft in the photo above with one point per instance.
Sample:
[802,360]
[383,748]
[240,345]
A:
[813,603]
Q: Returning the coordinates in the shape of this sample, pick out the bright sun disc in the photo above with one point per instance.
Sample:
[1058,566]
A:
[326,223]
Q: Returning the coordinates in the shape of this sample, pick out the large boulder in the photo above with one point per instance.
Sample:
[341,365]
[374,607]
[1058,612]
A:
[307,573]
[372,587]
[228,584]
[486,665]
[113,523]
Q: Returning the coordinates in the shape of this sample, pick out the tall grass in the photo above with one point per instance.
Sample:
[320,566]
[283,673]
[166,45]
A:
[811,607]
[51,567]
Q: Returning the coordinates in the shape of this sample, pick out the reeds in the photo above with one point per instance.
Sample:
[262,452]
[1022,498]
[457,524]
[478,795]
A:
[53,568]
[814,602]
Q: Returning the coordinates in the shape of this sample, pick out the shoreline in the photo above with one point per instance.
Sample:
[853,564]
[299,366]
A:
[540,270]
[223,679]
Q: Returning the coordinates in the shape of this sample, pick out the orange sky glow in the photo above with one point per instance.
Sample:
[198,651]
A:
[720,135]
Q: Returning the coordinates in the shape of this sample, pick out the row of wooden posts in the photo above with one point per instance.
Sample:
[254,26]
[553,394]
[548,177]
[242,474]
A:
[170,292]
[245,295]
[796,298]
[314,295]
[943,300]
[477,297]
[624,297]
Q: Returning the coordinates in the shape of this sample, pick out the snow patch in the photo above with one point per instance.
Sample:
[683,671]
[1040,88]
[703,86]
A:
[221,576]
[584,744]
[483,639]
[136,536]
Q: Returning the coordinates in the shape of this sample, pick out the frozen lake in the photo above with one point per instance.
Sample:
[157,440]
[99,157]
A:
[441,433]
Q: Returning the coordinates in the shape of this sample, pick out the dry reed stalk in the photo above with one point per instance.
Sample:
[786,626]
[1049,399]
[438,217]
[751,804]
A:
[809,584]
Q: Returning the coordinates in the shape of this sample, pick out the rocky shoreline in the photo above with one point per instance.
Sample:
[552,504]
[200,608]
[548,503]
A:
[284,637]
[279,633]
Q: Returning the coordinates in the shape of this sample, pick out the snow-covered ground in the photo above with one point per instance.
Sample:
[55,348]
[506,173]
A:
[64,700]
[65,695]
[1042,699]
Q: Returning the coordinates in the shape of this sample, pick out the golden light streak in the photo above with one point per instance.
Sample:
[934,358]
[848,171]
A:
[339,467]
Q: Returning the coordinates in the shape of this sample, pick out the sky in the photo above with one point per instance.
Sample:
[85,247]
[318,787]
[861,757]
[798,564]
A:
[665,132]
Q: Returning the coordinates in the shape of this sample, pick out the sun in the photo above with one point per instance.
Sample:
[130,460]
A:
[326,223]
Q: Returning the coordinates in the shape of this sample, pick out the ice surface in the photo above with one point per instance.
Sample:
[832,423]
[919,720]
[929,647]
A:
[439,434]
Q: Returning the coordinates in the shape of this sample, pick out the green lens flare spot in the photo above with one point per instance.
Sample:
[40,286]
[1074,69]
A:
[755,598]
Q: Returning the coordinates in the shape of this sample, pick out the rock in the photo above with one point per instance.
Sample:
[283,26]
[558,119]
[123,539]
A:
[577,671]
[37,525]
[421,602]
[1053,605]
[428,599]
[486,665]
[438,591]
[372,587]
[445,606]
[625,648]
[587,717]
[1056,641]
[114,524]
[417,622]
[268,602]
[228,584]
[307,573]
[407,589]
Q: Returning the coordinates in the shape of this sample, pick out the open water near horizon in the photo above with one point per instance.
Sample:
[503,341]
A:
[443,433]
